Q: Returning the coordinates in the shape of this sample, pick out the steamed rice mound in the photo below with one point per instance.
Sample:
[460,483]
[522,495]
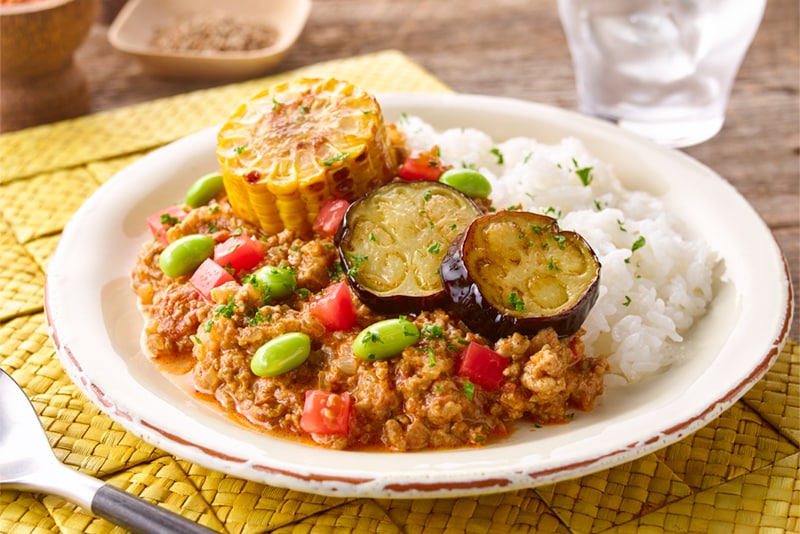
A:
[655,281]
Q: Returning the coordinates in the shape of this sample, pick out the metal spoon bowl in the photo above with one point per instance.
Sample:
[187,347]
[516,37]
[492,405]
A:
[27,463]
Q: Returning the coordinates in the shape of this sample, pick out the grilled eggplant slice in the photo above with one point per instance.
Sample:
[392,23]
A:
[515,271]
[391,243]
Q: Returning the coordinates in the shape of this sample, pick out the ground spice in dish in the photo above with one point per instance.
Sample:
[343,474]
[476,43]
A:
[204,32]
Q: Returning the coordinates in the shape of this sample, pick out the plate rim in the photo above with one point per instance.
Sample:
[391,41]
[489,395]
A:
[331,482]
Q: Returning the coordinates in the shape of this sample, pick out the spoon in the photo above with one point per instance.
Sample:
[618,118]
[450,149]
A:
[27,463]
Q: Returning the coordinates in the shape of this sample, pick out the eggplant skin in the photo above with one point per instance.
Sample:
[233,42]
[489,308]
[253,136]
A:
[392,240]
[475,275]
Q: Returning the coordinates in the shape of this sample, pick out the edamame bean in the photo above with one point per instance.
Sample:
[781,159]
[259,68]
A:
[204,189]
[275,282]
[385,339]
[281,354]
[468,181]
[185,254]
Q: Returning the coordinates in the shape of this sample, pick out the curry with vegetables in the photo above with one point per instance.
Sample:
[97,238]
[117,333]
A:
[315,286]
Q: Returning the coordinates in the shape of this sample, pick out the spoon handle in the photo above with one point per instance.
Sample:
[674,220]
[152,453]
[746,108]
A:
[139,516]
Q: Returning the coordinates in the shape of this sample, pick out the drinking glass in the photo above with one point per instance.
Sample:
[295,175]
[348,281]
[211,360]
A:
[662,68]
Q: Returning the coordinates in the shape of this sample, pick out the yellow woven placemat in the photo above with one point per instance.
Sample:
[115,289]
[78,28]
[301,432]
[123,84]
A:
[738,474]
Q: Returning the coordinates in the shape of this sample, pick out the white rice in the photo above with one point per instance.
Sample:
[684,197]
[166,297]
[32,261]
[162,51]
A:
[649,297]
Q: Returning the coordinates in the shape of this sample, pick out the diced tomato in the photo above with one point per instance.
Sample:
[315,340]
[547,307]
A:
[335,308]
[482,366]
[326,413]
[422,165]
[163,220]
[330,217]
[208,276]
[240,253]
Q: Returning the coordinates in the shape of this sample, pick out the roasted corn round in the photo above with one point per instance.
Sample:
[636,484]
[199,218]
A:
[286,151]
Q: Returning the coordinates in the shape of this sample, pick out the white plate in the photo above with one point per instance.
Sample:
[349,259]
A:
[96,326]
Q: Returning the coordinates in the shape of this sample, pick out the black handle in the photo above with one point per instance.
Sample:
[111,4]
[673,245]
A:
[140,516]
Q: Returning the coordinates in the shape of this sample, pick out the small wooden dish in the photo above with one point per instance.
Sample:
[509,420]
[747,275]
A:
[134,29]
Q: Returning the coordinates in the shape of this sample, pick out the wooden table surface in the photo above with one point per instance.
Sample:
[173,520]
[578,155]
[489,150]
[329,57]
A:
[517,48]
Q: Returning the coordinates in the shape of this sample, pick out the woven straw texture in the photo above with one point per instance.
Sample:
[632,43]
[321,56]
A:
[737,474]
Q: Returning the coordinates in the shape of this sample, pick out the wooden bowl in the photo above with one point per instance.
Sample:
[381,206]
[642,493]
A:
[41,36]
[40,81]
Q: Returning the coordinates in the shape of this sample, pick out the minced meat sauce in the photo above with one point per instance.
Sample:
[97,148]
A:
[411,402]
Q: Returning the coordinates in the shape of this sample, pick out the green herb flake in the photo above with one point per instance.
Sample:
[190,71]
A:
[496,152]
[627,301]
[258,318]
[432,331]
[469,390]
[431,358]
[225,310]
[585,175]
[239,149]
[334,159]
[168,219]
[515,302]
[435,248]
[357,262]
[561,240]
[639,243]
[551,264]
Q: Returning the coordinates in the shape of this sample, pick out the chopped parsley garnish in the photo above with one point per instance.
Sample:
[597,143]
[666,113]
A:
[334,159]
[551,264]
[627,301]
[515,302]
[585,174]
[226,310]
[561,240]
[435,248]
[258,318]
[496,152]
[432,331]
[469,390]
[168,219]
[239,149]
[639,243]
[357,262]
[431,357]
